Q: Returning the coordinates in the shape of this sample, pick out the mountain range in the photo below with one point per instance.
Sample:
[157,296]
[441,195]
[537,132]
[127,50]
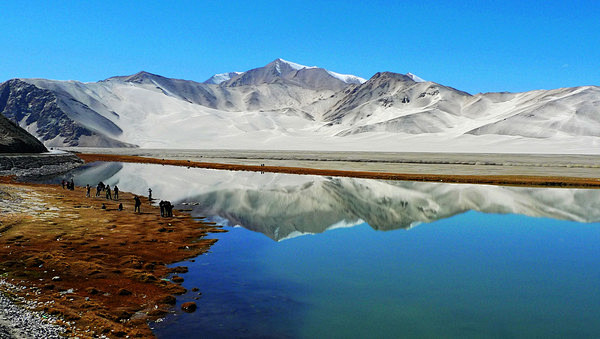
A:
[285,105]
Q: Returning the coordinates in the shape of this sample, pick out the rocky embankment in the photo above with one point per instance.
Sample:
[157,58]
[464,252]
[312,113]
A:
[27,165]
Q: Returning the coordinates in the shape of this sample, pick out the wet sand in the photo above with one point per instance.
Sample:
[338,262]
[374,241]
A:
[102,271]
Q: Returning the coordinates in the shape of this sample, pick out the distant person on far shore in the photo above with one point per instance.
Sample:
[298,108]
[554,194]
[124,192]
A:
[116,192]
[150,194]
[138,204]
[108,196]
[87,190]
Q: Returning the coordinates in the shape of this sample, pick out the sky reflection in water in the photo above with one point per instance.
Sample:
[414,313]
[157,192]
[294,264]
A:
[456,274]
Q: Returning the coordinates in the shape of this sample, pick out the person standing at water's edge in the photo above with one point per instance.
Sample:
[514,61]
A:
[87,190]
[138,204]
[150,194]
[108,196]
[116,192]
[168,209]
[99,188]
[161,204]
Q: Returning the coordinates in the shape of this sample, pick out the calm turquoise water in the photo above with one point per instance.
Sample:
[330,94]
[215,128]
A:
[348,258]
[471,275]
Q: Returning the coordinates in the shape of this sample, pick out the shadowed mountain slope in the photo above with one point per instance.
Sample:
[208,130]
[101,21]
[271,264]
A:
[14,139]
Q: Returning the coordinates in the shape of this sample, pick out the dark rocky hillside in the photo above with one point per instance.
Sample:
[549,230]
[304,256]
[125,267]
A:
[21,101]
[14,139]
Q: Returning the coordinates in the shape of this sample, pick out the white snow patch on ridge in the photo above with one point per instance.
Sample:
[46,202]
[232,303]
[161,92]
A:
[347,78]
[222,77]
[295,65]
[415,78]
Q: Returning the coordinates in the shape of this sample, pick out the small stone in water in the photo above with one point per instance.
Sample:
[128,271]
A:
[189,307]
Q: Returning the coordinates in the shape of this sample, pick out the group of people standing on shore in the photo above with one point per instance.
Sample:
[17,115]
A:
[70,185]
[106,188]
[166,208]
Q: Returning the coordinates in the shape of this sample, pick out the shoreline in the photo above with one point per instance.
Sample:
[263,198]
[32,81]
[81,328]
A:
[502,180]
[103,272]
[558,165]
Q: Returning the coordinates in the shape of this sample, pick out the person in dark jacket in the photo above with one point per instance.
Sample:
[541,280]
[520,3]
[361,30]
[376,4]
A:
[168,209]
[161,204]
[99,188]
[138,204]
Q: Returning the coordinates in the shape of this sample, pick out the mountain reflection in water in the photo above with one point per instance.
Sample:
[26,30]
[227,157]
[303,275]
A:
[282,206]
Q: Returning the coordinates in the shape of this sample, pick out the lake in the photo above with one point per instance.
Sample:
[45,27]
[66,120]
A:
[309,256]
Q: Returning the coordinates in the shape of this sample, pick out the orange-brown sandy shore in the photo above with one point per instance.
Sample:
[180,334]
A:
[507,180]
[103,272]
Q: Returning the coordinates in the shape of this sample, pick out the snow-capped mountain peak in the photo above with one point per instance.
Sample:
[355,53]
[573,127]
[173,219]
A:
[293,74]
[221,77]
[347,78]
[284,67]
[280,69]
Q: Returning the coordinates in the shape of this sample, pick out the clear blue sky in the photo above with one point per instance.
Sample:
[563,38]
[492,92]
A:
[475,46]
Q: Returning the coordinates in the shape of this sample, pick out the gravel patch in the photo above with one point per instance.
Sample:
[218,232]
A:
[17,320]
